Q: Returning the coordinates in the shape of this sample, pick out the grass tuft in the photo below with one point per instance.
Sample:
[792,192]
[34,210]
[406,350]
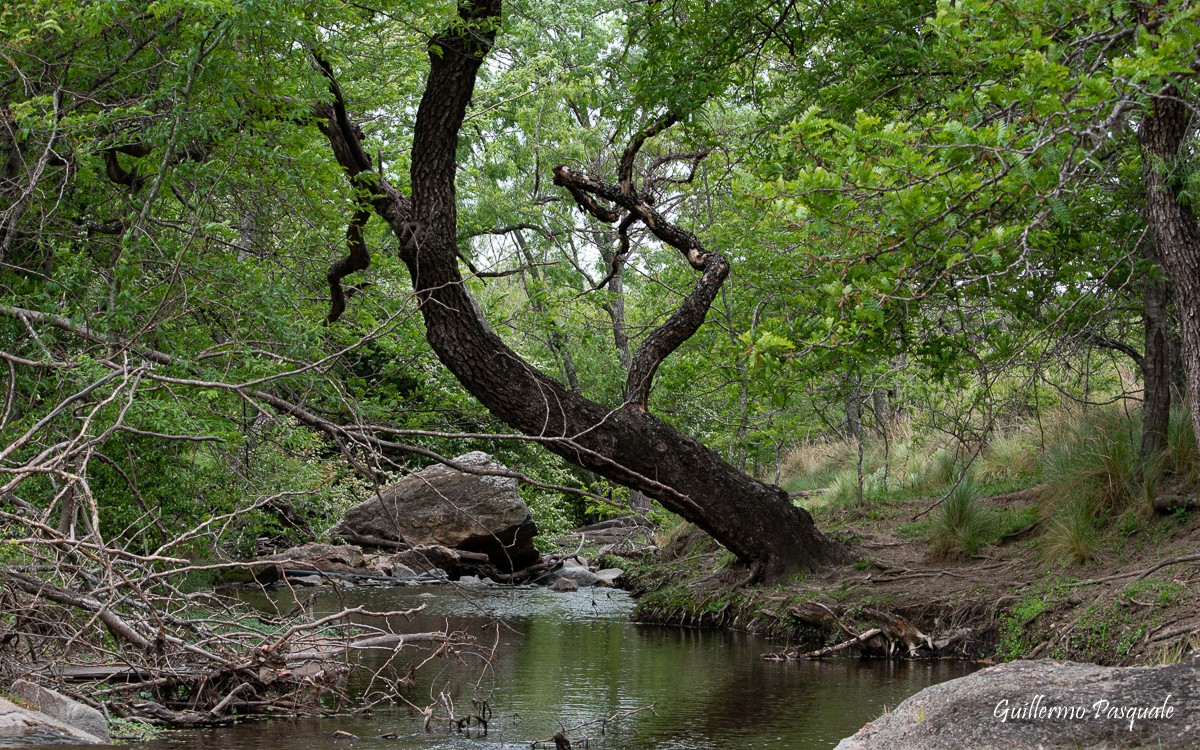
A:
[1013,453]
[1071,535]
[1182,455]
[960,526]
[1093,457]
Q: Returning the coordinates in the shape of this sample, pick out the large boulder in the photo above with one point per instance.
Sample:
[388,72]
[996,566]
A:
[25,726]
[443,506]
[1046,704]
[58,706]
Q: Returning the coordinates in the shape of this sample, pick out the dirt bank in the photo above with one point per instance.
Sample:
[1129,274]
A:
[1137,602]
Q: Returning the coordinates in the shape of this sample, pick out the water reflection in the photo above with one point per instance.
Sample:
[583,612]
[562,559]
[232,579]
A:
[564,659]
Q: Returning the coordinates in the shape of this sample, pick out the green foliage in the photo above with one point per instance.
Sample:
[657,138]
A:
[1106,631]
[1153,591]
[132,730]
[1018,632]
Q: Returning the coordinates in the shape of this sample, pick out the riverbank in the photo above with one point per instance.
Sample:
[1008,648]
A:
[1135,603]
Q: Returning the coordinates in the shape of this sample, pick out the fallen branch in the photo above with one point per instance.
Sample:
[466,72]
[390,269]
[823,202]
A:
[866,636]
[559,740]
[1165,563]
[114,622]
[332,649]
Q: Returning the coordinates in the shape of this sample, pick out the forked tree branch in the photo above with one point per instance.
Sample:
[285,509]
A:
[625,167]
[691,313]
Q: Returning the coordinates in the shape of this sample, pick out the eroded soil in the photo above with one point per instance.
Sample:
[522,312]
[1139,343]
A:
[1137,601]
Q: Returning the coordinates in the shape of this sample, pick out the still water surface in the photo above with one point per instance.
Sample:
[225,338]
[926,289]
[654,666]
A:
[564,659]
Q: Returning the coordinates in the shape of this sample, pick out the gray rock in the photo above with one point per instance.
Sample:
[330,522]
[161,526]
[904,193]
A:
[1046,704]
[59,706]
[609,576]
[442,506]
[452,562]
[577,574]
[400,570]
[27,726]
[329,558]
[564,585]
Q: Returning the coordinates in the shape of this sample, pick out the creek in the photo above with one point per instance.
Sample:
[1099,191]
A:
[564,659]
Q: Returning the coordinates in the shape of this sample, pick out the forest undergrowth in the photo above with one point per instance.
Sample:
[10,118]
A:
[1046,540]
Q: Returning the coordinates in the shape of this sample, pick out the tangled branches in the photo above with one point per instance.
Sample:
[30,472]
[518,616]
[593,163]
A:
[125,634]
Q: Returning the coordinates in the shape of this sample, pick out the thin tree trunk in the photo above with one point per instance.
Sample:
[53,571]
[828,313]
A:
[639,503]
[854,402]
[1162,133]
[1156,379]
[556,340]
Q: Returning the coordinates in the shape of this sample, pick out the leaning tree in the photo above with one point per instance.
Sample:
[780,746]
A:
[627,444]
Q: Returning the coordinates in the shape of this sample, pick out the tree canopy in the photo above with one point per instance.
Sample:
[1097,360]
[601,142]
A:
[254,247]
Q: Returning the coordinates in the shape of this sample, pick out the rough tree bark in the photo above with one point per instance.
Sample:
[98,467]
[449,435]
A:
[1162,133]
[628,445]
[1156,381]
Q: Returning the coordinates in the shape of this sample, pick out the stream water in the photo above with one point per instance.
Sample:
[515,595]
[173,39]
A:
[565,659]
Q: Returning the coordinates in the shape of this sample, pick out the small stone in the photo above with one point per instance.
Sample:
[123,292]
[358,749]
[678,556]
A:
[564,585]
[609,576]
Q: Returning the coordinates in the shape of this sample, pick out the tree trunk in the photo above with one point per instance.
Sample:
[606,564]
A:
[854,402]
[755,521]
[639,503]
[1161,134]
[1156,378]
[881,410]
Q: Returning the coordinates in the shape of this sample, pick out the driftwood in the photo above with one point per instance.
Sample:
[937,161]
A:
[332,649]
[891,630]
[190,654]
[856,640]
[160,713]
[1172,503]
